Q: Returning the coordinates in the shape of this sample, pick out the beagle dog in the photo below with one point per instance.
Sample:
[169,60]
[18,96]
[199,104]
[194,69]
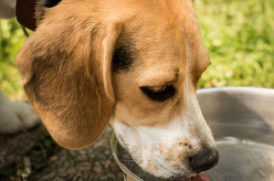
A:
[132,63]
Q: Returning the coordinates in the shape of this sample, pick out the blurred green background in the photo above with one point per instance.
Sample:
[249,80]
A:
[238,34]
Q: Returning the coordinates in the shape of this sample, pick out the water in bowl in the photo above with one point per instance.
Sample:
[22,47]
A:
[243,160]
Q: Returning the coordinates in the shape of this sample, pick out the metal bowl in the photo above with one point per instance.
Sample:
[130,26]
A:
[242,122]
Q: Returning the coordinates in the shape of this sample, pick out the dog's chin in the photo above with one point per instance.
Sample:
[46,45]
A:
[198,177]
[180,177]
[162,174]
[168,174]
[148,173]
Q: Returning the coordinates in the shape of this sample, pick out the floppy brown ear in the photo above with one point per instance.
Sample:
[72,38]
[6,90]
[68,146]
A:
[67,72]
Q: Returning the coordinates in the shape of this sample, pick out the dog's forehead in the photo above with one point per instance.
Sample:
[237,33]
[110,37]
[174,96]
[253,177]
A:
[160,52]
[161,11]
[161,28]
[158,30]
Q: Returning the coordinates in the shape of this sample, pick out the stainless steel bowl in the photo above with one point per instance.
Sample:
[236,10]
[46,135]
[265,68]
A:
[242,122]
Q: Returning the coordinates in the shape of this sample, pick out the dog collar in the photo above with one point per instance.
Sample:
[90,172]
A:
[25,13]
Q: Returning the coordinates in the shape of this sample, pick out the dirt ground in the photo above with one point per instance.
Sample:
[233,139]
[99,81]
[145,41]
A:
[32,155]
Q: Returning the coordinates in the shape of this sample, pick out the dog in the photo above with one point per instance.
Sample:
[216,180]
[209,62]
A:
[132,63]
[15,116]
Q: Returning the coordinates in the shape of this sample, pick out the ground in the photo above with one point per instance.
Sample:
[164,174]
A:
[32,155]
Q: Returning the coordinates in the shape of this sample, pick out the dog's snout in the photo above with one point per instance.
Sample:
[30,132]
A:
[203,160]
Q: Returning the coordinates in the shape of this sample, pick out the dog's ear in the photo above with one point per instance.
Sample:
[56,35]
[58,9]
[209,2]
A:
[67,70]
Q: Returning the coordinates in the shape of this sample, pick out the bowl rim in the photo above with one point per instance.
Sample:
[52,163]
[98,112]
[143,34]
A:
[237,89]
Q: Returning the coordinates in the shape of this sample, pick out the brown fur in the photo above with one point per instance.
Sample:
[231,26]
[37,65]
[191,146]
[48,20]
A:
[67,64]
[160,42]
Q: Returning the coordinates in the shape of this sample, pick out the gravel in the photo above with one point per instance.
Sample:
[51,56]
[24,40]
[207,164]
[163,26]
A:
[32,155]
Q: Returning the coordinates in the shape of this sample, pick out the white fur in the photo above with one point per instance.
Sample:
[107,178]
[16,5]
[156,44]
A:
[15,116]
[143,143]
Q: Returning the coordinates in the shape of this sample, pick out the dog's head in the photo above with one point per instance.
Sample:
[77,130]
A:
[132,63]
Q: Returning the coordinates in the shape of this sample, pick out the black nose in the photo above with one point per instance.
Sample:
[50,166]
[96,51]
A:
[203,160]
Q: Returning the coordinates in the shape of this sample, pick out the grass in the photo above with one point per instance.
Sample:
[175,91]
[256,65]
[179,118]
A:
[11,40]
[238,34]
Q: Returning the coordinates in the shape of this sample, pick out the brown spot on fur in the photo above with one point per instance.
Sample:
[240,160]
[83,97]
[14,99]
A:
[161,149]
[149,164]
[184,142]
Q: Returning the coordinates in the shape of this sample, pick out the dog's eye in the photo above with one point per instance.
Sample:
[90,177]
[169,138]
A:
[51,3]
[160,93]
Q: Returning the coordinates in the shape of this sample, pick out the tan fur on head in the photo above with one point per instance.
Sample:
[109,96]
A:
[66,65]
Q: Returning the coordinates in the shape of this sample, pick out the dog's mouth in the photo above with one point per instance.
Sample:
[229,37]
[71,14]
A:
[198,177]
[126,163]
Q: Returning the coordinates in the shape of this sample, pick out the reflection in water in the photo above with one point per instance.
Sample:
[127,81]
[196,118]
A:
[243,160]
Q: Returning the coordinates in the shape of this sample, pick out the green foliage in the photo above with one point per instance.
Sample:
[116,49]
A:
[238,34]
[11,40]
